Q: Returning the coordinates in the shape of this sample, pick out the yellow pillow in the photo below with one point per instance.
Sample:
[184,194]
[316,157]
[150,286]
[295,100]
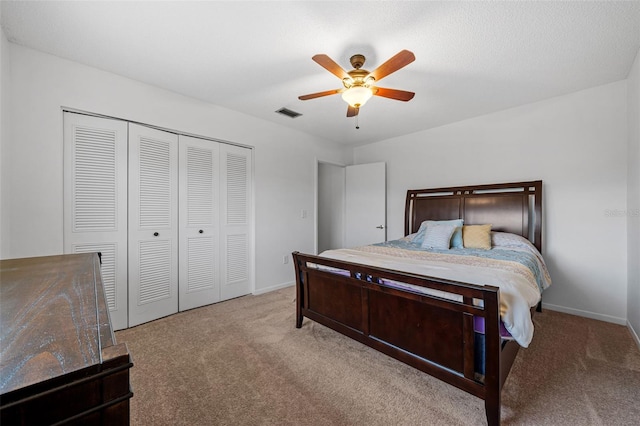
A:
[476,236]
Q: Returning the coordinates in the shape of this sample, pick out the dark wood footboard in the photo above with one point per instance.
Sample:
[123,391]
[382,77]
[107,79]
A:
[431,333]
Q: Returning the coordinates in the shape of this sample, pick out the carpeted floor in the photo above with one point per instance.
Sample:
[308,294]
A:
[243,362]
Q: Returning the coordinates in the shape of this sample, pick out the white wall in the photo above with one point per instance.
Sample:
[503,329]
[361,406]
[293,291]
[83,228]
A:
[5,88]
[577,144]
[42,84]
[633,199]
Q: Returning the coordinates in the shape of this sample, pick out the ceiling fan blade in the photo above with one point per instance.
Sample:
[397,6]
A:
[330,65]
[398,61]
[319,94]
[398,95]
[352,112]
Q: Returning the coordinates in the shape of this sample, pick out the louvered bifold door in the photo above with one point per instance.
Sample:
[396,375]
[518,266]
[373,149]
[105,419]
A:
[153,224]
[199,181]
[95,201]
[235,200]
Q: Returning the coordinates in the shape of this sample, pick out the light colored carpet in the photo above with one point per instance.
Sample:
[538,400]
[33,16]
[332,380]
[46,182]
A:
[243,362]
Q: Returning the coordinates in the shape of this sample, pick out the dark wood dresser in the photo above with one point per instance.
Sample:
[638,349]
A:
[59,361]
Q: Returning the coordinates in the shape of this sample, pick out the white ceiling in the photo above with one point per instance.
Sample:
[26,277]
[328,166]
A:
[472,58]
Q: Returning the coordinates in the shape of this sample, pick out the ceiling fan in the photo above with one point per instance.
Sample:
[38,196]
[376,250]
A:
[359,83]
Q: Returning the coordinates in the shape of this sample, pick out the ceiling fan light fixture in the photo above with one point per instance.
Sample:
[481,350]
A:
[359,83]
[356,96]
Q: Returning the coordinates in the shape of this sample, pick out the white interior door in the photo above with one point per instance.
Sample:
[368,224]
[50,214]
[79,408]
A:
[199,181]
[366,205]
[235,227]
[95,201]
[153,224]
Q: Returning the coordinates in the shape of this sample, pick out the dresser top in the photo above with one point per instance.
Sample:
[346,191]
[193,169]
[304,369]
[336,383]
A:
[53,318]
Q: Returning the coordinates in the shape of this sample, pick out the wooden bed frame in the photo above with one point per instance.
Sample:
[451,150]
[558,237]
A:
[432,334]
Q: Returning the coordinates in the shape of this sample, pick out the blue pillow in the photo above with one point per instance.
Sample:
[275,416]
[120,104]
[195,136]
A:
[438,236]
[456,238]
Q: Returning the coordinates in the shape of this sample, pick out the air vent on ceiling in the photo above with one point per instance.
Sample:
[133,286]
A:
[288,113]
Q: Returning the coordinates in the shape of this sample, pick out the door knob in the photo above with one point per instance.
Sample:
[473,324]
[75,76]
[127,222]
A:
[155,234]
[200,231]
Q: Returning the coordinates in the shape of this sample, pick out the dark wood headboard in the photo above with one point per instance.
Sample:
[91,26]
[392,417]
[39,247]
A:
[508,207]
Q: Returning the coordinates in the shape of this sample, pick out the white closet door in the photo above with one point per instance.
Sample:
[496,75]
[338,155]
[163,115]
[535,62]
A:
[235,200]
[199,177]
[153,224]
[95,201]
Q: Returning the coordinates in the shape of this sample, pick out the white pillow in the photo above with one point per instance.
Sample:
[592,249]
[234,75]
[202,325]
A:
[506,239]
[456,238]
[438,236]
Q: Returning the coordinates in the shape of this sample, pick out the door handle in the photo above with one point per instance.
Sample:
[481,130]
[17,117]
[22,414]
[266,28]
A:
[380,227]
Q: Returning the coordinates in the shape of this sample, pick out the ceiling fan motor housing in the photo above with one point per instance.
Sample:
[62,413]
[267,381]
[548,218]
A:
[358,77]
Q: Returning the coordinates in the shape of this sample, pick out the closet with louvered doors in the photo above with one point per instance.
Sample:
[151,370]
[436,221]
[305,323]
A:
[235,214]
[215,185]
[95,201]
[153,224]
[199,222]
[182,235]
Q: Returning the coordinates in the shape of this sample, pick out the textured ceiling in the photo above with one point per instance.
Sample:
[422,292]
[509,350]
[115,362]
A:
[472,58]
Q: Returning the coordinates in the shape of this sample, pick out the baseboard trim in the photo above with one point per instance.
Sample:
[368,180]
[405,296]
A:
[586,314]
[633,334]
[273,288]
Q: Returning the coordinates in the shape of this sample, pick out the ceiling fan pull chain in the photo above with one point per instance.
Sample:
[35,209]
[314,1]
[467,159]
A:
[357,126]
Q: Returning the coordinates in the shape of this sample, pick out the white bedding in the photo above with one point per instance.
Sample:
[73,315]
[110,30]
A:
[519,290]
